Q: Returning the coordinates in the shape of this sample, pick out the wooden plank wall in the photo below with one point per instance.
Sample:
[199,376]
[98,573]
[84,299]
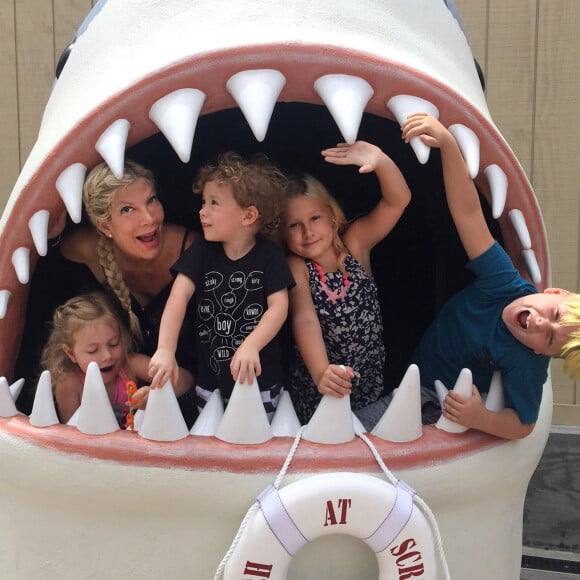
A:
[529,51]
[33,34]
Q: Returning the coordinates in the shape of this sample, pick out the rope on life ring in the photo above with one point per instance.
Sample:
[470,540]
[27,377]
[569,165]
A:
[382,514]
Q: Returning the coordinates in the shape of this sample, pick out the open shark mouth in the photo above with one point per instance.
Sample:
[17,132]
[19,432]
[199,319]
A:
[171,84]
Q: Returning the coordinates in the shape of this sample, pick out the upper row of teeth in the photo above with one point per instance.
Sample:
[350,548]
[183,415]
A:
[245,421]
[256,93]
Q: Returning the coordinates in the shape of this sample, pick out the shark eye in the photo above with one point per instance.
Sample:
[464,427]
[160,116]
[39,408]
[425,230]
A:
[63,58]
[480,73]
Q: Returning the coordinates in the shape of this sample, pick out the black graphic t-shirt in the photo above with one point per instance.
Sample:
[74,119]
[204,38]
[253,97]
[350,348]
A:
[230,299]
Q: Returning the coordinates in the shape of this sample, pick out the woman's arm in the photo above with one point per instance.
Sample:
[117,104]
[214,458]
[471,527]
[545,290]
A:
[80,245]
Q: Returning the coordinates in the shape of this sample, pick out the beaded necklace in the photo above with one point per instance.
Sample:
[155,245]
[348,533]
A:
[332,295]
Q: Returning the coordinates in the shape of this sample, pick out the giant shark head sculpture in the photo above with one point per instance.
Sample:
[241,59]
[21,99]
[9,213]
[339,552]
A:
[171,84]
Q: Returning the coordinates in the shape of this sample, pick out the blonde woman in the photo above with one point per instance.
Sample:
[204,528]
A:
[129,251]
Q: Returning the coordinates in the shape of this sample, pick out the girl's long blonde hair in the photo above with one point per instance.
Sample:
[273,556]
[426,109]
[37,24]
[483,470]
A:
[99,188]
[92,308]
[309,186]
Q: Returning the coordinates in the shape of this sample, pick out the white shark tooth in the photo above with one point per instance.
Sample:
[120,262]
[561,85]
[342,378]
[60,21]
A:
[331,422]
[43,410]
[111,146]
[16,389]
[404,105]
[21,263]
[96,416]
[74,420]
[441,391]
[210,417]
[38,226]
[285,422]
[468,143]
[346,97]
[357,425]
[7,406]
[5,296]
[163,420]
[256,93]
[463,386]
[176,116]
[520,227]
[69,185]
[532,266]
[401,422]
[138,417]
[498,185]
[245,420]
[495,400]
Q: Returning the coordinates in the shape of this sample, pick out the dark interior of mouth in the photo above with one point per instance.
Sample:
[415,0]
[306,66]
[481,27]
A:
[417,267]
[523,319]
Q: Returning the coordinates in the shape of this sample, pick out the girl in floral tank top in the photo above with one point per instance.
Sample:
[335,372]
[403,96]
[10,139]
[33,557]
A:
[334,308]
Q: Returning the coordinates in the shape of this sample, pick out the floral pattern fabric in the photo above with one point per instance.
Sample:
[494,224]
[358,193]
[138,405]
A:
[353,334]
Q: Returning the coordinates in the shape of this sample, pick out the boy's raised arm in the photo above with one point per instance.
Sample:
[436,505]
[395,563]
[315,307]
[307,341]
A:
[462,196]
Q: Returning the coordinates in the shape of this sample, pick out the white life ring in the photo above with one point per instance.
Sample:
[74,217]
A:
[365,507]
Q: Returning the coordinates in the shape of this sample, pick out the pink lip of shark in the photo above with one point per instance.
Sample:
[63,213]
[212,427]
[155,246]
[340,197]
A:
[303,50]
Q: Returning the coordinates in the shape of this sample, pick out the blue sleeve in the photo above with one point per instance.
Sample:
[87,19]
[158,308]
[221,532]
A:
[497,276]
[523,379]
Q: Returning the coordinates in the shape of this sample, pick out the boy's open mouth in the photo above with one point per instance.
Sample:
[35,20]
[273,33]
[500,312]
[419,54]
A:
[524,319]
[169,70]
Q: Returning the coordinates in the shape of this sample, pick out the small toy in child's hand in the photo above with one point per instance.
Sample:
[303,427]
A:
[130,419]
[131,390]
[355,379]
